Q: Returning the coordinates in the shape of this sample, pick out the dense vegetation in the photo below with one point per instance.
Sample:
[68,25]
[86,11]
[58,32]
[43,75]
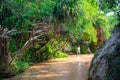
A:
[72,23]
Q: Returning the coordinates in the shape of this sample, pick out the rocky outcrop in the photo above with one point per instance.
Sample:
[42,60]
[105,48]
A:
[106,62]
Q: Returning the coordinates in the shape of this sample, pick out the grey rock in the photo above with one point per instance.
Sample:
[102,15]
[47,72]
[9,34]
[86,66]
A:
[106,62]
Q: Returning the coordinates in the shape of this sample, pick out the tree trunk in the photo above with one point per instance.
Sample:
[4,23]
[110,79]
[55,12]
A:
[100,37]
[4,56]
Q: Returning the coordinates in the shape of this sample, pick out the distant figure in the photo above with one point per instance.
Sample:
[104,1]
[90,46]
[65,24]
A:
[78,49]
[88,51]
[63,49]
[98,47]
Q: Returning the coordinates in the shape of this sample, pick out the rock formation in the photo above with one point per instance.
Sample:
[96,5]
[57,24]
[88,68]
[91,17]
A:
[106,62]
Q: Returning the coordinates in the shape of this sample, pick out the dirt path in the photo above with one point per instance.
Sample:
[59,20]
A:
[71,68]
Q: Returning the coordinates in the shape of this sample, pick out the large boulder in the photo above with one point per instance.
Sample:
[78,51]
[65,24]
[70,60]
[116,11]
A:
[106,62]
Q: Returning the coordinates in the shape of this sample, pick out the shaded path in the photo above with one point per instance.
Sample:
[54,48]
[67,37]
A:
[71,68]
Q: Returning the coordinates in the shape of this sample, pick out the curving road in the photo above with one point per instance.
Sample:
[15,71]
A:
[71,68]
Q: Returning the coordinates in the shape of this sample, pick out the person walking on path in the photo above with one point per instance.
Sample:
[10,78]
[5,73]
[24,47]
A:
[88,51]
[78,49]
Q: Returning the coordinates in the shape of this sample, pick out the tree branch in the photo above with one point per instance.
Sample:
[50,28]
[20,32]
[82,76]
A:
[52,39]
[62,45]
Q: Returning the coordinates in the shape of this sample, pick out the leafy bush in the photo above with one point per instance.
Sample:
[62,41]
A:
[83,48]
[20,65]
[59,54]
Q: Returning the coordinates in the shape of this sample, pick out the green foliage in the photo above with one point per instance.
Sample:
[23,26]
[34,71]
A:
[107,23]
[64,9]
[12,47]
[74,49]
[27,56]
[77,16]
[83,48]
[81,15]
[108,5]
[20,65]
[113,20]
[52,53]
[59,54]
[49,50]
[89,34]
[102,22]
[22,14]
